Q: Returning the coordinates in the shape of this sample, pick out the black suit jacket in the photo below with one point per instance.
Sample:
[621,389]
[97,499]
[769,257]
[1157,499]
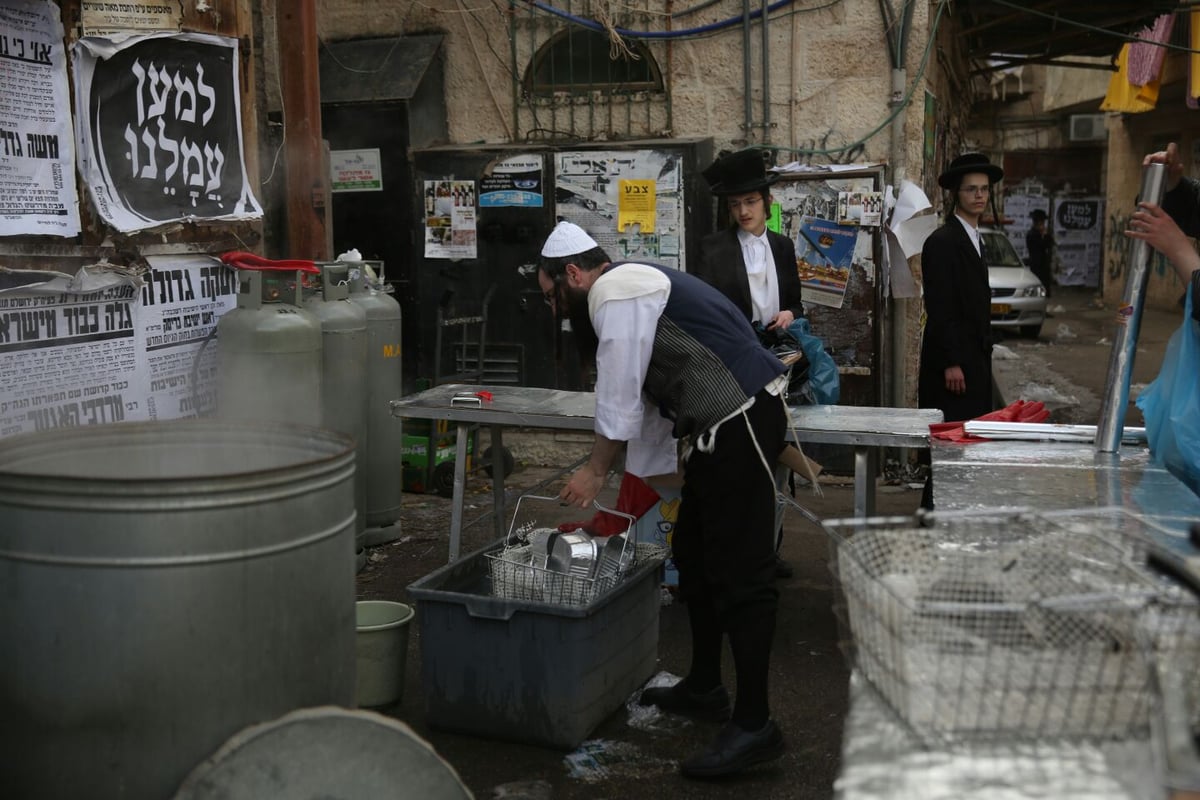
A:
[958,327]
[721,264]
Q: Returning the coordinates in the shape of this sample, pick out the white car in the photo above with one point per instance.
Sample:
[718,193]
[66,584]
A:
[1018,297]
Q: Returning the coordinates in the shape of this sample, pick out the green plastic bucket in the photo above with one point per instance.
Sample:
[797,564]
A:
[382,645]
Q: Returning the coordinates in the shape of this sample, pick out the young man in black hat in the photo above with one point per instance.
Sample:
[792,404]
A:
[1038,242]
[672,351]
[752,266]
[956,351]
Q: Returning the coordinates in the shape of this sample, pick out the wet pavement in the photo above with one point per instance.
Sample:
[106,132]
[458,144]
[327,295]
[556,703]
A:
[635,752]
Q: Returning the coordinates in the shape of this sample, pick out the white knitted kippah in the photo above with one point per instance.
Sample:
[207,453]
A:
[567,239]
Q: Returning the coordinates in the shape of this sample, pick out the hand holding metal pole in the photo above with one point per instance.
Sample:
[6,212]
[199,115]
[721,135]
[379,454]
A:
[1120,363]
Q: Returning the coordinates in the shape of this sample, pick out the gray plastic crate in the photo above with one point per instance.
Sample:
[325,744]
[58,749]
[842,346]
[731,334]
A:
[527,671]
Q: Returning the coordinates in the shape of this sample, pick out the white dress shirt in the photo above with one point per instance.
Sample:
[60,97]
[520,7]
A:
[760,272]
[625,314]
[972,232]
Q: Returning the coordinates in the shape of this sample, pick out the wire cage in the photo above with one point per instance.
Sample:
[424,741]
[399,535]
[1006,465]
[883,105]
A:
[1006,626]
[542,563]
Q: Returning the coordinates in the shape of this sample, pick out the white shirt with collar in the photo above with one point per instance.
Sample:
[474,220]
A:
[973,233]
[760,272]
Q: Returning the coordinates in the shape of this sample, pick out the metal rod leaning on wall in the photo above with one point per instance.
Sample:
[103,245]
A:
[1120,362]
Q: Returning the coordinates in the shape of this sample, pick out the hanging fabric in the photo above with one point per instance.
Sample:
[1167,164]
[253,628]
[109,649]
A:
[1123,96]
[1147,55]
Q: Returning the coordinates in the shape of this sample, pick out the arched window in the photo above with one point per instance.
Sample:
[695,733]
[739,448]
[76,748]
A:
[580,60]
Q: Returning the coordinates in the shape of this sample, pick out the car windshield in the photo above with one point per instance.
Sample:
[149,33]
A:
[998,250]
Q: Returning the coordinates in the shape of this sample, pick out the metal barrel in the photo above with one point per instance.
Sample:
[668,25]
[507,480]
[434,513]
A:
[384,440]
[1120,363]
[163,585]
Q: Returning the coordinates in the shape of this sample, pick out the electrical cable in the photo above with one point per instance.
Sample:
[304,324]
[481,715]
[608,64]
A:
[709,28]
[1058,18]
[901,106]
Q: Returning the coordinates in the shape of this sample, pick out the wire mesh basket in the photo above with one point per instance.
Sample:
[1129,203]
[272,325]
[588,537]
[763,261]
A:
[535,565]
[1006,626]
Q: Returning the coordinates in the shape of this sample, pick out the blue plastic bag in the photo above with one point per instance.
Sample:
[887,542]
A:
[823,379]
[1171,404]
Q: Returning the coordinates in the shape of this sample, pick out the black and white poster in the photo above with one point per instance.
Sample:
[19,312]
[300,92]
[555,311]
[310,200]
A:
[111,345]
[158,121]
[1077,223]
[37,163]
[68,352]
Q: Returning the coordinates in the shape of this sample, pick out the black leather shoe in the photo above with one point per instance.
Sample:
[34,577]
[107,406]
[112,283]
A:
[734,750]
[783,569]
[710,706]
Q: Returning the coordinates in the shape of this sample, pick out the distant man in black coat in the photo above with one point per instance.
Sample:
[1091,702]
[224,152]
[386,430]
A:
[956,352]
[1038,242]
[752,266]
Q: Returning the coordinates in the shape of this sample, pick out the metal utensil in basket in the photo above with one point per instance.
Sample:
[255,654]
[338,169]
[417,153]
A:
[559,571]
[999,626]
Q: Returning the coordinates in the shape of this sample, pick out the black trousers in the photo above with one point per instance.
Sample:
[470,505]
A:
[724,540]
[724,547]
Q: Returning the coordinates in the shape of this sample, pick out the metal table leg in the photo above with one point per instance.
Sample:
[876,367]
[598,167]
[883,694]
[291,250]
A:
[498,514]
[460,484]
[866,467]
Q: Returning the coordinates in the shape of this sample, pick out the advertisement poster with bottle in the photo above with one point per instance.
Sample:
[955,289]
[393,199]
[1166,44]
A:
[450,230]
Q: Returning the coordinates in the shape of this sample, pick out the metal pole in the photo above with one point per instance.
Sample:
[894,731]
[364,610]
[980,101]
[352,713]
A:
[300,90]
[747,112]
[1120,362]
[766,81]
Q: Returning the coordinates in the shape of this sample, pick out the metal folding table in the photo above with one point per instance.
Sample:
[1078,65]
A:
[864,429]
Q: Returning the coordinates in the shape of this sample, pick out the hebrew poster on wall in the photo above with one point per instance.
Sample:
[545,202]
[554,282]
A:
[110,345]
[37,155]
[594,190]
[1078,242]
[159,129]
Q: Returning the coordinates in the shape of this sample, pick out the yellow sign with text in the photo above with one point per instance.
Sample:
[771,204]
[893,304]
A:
[637,203]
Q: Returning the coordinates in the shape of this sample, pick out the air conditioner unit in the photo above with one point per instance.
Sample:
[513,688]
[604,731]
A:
[1088,128]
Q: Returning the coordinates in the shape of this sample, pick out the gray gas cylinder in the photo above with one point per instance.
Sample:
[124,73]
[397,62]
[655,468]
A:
[343,371]
[384,442]
[162,586]
[269,354]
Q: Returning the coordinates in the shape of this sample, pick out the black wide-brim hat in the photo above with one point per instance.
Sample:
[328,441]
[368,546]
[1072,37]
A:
[739,173]
[966,164]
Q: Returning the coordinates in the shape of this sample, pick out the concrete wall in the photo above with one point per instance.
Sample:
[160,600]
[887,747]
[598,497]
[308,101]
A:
[829,76]
[827,97]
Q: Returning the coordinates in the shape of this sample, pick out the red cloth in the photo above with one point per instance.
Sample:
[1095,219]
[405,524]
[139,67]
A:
[1019,411]
[635,498]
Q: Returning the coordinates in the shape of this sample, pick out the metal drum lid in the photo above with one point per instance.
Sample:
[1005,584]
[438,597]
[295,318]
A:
[325,752]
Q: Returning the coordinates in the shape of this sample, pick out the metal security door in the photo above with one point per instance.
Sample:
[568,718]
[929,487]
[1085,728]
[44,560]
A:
[482,214]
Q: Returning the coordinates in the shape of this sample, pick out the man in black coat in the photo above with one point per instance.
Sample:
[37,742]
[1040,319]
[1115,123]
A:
[956,351]
[1038,242]
[752,266]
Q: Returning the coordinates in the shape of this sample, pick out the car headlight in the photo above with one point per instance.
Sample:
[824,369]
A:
[1032,291]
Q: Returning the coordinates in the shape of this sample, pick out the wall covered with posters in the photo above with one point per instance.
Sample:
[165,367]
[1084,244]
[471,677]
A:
[126,163]
[125,119]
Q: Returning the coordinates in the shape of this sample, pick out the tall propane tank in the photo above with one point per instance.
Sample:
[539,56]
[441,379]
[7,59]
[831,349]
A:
[269,353]
[343,374]
[164,585]
[384,442]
